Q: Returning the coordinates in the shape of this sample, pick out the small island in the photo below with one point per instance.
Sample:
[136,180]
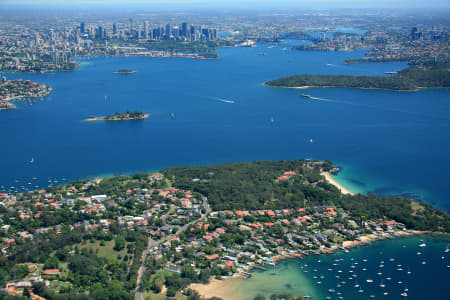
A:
[128,116]
[124,71]
[19,88]
[412,78]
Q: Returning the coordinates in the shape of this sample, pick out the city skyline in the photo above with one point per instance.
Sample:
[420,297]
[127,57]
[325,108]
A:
[263,4]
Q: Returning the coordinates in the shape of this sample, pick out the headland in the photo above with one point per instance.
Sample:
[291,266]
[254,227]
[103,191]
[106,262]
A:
[17,89]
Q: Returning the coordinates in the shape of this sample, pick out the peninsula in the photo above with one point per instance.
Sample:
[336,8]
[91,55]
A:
[124,71]
[410,79]
[161,232]
[19,88]
[128,116]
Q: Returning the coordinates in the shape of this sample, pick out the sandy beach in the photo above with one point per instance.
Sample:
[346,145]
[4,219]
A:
[336,184]
[224,289]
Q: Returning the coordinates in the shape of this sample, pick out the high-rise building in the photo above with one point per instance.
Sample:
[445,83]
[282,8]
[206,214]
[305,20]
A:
[146,29]
[168,31]
[184,29]
[114,28]
[82,27]
[131,26]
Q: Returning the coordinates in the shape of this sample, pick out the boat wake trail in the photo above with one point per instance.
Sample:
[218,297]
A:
[323,99]
[222,100]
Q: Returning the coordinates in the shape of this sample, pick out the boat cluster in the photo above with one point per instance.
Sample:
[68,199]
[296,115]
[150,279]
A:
[26,185]
[386,276]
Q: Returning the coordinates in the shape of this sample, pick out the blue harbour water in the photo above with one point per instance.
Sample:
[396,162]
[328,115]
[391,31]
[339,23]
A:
[387,142]
[393,267]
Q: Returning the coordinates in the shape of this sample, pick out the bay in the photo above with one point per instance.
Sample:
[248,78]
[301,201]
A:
[387,142]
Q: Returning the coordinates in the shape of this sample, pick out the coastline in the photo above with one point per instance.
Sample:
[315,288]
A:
[305,87]
[104,119]
[332,181]
[222,288]
[7,100]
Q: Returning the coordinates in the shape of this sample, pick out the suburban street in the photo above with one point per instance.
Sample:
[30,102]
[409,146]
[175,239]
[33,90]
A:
[152,243]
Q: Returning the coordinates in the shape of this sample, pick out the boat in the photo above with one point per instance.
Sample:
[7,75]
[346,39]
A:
[369,280]
[404,294]
[422,245]
[172,115]
[32,160]
[332,291]
[306,96]
[272,120]
[447,250]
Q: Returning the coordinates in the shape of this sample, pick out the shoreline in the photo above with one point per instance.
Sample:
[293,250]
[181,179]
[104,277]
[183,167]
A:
[221,288]
[332,181]
[8,100]
[104,119]
[305,87]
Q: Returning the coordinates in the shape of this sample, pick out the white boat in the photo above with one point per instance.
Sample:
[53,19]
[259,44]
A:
[32,160]
[422,245]
[369,280]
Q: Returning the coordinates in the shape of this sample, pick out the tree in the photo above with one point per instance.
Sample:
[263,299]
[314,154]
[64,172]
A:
[51,263]
[157,285]
[119,244]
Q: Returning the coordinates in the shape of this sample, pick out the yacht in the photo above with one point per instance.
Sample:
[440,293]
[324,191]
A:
[306,96]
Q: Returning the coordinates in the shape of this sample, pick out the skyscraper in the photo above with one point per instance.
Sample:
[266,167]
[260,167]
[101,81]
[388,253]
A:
[146,29]
[131,26]
[82,27]
[184,29]
[168,31]
[114,28]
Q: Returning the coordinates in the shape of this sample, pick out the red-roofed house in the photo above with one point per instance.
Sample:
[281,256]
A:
[289,173]
[270,213]
[229,263]
[220,231]
[50,272]
[212,257]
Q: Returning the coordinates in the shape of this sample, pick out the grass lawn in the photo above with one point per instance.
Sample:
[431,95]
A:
[105,251]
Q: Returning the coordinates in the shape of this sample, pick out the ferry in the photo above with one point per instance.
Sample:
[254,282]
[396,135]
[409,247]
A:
[306,96]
